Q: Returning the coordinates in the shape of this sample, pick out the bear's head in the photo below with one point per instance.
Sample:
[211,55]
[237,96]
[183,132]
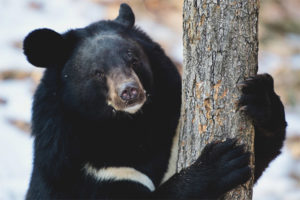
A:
[102,68]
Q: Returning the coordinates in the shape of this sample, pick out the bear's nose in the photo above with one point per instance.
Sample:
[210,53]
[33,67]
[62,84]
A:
[129,92]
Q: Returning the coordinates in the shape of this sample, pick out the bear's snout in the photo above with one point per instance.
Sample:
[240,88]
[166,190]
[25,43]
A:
[126,92]
[129,92]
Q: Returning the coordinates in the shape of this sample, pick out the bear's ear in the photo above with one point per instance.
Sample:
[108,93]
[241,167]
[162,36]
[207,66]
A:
[45,48]
[126,16]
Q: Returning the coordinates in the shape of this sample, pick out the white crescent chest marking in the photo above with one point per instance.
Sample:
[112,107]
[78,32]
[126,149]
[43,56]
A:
[118,174]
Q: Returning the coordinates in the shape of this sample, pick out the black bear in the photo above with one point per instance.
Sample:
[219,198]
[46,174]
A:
[106,111]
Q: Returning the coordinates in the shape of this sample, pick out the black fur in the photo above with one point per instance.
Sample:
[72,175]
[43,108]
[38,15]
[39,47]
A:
[263,105]
[126,16]
[220,168]
[41,52]
[73,125]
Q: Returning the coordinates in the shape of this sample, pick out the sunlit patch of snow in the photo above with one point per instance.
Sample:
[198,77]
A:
[18,95]
[15,146]
[293,120]
[18,18]
[276,182]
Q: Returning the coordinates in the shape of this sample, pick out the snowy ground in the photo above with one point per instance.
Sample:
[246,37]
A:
[17,18]
[15,146]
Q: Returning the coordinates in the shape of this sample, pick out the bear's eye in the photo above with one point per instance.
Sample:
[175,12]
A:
[132,58]
[99,74]
[129,55]
[134,61]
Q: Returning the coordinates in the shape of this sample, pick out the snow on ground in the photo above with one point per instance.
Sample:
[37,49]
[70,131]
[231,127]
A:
[275,184]
[15,146]
[293,119]
[18,17]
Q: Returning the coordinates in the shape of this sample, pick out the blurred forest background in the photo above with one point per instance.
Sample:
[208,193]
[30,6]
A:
[279,55]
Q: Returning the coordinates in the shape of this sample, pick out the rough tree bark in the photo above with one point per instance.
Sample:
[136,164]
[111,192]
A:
[220,50]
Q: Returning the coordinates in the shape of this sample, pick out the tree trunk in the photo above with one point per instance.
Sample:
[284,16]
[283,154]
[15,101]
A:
[220,50]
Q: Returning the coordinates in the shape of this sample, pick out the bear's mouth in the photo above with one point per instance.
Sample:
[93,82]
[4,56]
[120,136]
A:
[128,106]
[134,108]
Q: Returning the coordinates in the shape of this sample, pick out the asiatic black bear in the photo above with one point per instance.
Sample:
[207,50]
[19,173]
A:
[106,111]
